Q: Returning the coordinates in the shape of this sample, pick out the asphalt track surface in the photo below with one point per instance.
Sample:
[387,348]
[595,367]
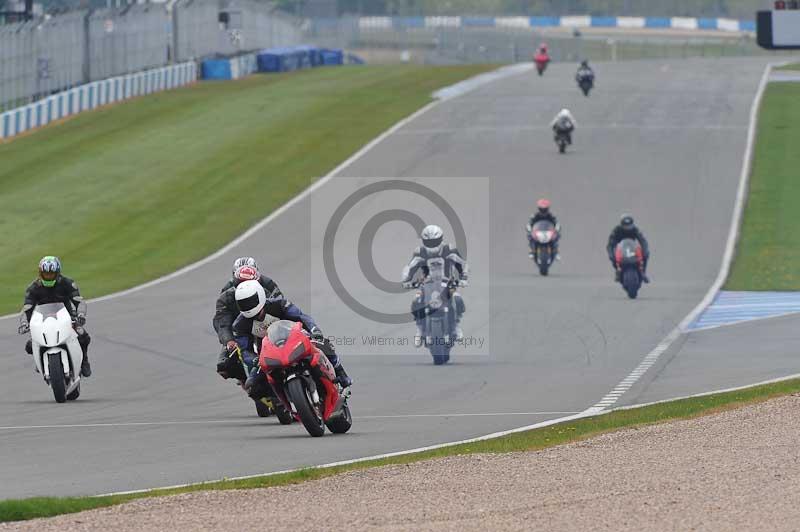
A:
[662,140]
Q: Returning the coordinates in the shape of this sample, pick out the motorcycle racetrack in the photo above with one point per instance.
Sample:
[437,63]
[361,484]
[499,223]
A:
[662,141]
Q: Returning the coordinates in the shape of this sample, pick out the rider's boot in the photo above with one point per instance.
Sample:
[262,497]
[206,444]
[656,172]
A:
[617,276]
[645,278]
[86,368]
[419,336]
[342,377]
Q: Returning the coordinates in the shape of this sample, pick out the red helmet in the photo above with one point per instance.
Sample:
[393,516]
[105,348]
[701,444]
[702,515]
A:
[543,47]
[246,273]
[543,204]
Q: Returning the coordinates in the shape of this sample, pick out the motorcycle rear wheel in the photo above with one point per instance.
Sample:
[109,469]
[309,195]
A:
[312,420]
[57,382]
[261,409]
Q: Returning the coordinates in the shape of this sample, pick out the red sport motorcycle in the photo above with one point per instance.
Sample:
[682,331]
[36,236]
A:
[541,59]
[304,379]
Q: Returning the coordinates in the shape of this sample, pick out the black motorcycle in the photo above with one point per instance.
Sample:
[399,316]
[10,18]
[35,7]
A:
[585,82]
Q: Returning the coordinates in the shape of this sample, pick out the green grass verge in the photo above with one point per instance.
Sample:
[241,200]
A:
[792,66]
[130,192]
[768,253]
[17,510]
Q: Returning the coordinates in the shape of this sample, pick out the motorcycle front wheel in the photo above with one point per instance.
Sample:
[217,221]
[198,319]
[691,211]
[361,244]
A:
[57,382]
[298,394]
[631,282]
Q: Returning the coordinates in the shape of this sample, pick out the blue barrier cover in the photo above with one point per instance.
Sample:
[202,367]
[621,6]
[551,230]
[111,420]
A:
[657,22]
[747,25]
[483,22]
[707,23]
[332,57]
[408,22]
[545,21]
[216,69]
[604,22]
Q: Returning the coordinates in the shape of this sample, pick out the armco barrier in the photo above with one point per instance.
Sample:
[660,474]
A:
[92,95]
[572,21]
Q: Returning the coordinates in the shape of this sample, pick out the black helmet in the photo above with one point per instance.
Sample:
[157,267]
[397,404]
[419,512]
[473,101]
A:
[585,63]
[626,221]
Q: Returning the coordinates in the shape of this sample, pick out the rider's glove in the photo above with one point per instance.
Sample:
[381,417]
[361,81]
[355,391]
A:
[231,346]
[316,334]
[80,319]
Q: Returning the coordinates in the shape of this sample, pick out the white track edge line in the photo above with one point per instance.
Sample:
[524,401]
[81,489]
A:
[733,233]
[589,412]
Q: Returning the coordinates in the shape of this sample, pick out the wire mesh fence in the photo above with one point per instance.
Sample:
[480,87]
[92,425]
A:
[53,53]
[449,44]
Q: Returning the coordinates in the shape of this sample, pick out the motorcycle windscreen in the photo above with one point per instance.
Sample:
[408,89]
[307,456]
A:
[436,269]
[48,310]
[629,249]
[543,231]
[279,331]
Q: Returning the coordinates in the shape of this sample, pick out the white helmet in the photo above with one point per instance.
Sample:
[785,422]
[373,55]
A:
[244,261]
[250,298]
[564,112]
[432,237]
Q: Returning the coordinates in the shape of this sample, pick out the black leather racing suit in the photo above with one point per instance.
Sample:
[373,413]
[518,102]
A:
[65,291]
[618,234]
[538,217]
[417,269]
[584,72]
[226,311]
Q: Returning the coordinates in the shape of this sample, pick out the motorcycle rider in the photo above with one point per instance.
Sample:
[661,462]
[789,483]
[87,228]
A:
[564,124]
[226,313]
[52,287]
[268,284]
[584,72]
[543,213]
[433,246]
[541,57]
[257,313]
[627,229]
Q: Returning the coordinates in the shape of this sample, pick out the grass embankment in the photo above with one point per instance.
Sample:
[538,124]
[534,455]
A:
[768,253]
[128,193]
[17,510]
[792,66]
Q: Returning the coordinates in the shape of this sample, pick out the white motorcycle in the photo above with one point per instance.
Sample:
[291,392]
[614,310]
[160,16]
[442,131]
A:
[56,352]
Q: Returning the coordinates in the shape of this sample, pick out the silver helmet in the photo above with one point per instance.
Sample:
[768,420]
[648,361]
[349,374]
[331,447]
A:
[432,237]
[244,261]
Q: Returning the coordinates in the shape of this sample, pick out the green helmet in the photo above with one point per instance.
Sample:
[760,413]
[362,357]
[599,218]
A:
[49,270]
